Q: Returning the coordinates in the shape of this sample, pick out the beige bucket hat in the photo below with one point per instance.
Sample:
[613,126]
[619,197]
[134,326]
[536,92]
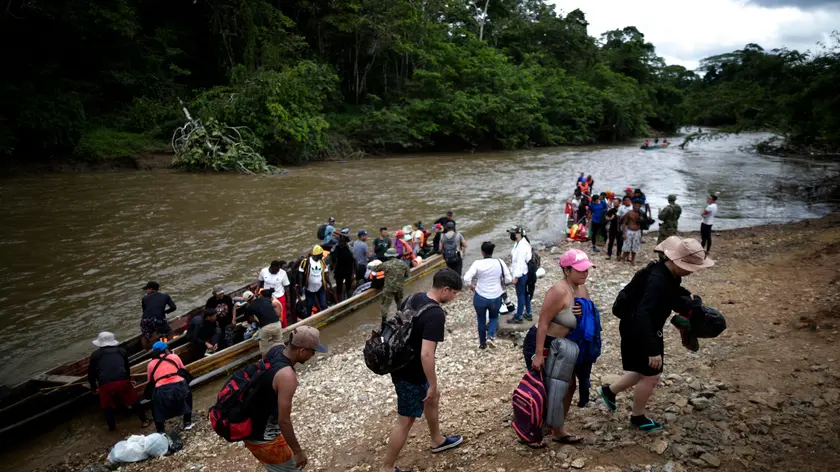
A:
[686,253]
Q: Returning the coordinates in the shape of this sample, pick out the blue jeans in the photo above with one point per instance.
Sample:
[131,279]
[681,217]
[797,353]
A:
[313,298]
[523,301]
[481,306]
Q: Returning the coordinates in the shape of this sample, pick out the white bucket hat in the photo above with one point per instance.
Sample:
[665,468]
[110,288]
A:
[105,339]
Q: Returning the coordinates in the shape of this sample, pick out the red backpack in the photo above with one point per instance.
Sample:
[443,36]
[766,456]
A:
[528,406]
[231,416]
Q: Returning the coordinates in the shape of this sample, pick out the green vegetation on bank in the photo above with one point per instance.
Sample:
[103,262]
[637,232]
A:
[317,79]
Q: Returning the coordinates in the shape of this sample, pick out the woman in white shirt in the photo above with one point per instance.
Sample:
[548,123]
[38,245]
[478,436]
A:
[708,220]
[520,256]
[491,275]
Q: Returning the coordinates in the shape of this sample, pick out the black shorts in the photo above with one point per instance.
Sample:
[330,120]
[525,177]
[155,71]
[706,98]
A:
[410,397]
[635,359]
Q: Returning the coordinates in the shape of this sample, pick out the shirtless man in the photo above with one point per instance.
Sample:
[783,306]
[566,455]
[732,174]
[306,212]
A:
[632,232]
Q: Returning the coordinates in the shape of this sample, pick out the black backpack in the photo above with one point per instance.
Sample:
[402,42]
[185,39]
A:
[387,349]
[231,416]
[534,263]
[322,232]
[709,323]
[630,296]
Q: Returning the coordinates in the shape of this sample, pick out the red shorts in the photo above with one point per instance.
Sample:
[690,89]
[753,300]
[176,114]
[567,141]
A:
[117,393]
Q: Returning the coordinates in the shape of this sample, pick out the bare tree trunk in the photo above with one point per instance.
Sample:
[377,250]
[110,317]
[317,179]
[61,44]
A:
[483,20]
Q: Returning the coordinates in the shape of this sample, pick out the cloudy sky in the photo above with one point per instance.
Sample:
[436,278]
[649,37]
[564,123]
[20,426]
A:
[685,31]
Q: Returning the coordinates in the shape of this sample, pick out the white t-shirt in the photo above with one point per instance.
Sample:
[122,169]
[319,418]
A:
[709,219]
[520,255]
[417,237]
[622,210]
[315,273]
[489,273]
[278,282]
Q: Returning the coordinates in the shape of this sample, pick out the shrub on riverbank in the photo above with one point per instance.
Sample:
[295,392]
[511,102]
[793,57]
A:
[103,143]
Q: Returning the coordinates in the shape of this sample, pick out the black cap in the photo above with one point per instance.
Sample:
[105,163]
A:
[152,285]
[384,228]
[449,213]
[331,220]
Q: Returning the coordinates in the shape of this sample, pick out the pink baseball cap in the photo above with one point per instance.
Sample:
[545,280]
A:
[576,259]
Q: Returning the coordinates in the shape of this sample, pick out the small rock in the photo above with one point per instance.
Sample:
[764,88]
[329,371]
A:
[580,463]
[817,367]
[659,446]
[710,459]
[681,402]
[699,403]
[670,418]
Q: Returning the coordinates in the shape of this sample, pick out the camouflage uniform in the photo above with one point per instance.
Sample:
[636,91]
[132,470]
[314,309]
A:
[396,271]
[669,216]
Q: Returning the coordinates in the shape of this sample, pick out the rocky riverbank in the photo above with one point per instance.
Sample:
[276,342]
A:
[763,396]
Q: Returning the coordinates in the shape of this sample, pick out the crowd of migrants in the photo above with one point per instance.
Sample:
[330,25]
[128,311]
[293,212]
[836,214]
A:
[558,351]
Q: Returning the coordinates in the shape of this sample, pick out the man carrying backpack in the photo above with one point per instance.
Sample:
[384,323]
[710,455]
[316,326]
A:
[273,441]
[452,246]
[416,383]
[643,307]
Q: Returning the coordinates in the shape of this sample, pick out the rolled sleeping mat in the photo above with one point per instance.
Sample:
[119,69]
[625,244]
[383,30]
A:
[559,368]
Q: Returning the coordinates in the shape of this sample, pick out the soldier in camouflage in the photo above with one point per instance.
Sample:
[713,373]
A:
[669,217]
[396,272]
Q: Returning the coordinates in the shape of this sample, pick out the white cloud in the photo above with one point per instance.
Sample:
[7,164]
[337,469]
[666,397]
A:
[685,31]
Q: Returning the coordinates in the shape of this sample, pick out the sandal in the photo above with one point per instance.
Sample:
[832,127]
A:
[568,439]
[145,424]
[539,445]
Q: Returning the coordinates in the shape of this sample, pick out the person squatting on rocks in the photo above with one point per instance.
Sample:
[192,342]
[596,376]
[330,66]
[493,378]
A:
[642,344]
[546,345]
[491,275]
[520,256]
[669,216]
[396,272]
[172,396]
[274,442]
[109,375]
[416,383]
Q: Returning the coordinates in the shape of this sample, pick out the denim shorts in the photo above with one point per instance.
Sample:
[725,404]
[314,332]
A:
[410,397]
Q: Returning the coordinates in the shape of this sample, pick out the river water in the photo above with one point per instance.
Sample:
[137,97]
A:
[77,248]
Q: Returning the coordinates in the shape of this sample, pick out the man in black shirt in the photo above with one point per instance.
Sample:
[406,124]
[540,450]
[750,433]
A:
[262,310]
[416,383]
[204,332]
[156,305]
[109,375]
[222,304]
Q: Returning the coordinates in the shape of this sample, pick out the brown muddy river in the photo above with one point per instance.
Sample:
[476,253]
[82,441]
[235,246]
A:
[77,248]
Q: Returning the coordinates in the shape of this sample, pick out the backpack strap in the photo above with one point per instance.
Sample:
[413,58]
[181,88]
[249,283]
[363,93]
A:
[160,361]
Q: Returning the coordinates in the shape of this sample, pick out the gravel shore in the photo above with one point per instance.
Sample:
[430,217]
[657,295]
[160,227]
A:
[763,396]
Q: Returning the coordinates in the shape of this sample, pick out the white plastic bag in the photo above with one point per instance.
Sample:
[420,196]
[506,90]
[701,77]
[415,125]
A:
[156,445]
[131,450]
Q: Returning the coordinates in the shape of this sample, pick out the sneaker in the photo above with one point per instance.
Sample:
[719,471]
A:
[595,249]
[449,443]
[529,318]
[514,320]
[645,424]
[188,427]
[689,340]
[482,346]
[609,398]
[491,342]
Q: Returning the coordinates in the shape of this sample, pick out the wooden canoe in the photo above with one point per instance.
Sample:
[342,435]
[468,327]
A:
[56,390]
[655,147]
[205,369]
